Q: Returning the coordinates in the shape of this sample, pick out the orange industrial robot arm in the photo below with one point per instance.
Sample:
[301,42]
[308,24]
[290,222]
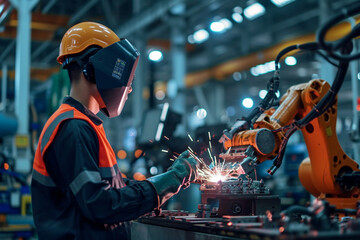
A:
[312,107]
[327,161]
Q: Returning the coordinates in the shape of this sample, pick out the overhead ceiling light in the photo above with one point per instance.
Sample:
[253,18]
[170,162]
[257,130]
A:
[290,61]
[201,113]
[154,170]
[217,27]
[247,102]
[254,71]
[237,17]
[191,39]
[281,3]
[201,36]
[155,55]
[253,11]
[263,68]
[270,66]
[221,25]
[262,93]
[237,76]
[226,22]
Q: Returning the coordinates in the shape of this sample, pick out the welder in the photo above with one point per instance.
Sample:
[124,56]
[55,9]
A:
[78,191]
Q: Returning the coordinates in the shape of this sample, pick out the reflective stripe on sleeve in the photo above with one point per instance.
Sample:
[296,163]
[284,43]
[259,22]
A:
[83,178]
[52,126]
[44,180]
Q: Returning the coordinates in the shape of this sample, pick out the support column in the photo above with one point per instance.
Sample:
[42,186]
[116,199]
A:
[22,83]
[4,86]
[178,61]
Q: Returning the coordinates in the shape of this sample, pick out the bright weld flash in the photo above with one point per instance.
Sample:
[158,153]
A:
[217,178]
[219,172]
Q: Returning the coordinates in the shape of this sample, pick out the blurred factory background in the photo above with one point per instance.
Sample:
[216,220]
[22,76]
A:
[204,64]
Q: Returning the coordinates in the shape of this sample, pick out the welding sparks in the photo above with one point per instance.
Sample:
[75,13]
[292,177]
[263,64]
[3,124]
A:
[215,174]
[212,159]
[217,178]
[216,171]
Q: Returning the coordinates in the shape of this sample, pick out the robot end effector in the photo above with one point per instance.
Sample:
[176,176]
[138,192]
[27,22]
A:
[249,147]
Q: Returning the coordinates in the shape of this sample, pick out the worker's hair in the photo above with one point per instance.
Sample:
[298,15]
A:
[74,71]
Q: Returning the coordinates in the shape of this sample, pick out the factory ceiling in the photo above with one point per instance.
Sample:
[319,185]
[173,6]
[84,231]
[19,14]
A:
[236,49]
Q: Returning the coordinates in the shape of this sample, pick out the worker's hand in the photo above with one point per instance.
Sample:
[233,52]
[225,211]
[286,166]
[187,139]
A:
[185,168]
[180,174]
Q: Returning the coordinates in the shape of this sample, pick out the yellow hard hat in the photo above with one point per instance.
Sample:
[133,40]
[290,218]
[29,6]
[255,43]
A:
[85,34]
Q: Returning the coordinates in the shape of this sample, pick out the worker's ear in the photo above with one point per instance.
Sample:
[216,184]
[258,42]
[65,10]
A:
[89,73]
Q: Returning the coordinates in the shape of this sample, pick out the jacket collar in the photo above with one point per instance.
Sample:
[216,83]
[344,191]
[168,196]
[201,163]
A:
[76,104]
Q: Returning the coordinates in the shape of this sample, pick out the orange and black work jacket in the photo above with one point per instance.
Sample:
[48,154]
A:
[77,189]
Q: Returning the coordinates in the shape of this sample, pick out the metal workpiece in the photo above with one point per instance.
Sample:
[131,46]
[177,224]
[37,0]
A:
[240,186]
[237,198]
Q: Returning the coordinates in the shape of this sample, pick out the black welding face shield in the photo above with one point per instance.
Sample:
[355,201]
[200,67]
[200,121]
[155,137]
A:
[112,69]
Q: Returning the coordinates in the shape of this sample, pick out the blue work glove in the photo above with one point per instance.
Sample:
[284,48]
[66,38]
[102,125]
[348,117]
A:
[180,174]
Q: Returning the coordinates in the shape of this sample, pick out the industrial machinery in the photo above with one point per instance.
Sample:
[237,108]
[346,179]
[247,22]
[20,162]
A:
[240,207]
[237,198]
[323,174]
